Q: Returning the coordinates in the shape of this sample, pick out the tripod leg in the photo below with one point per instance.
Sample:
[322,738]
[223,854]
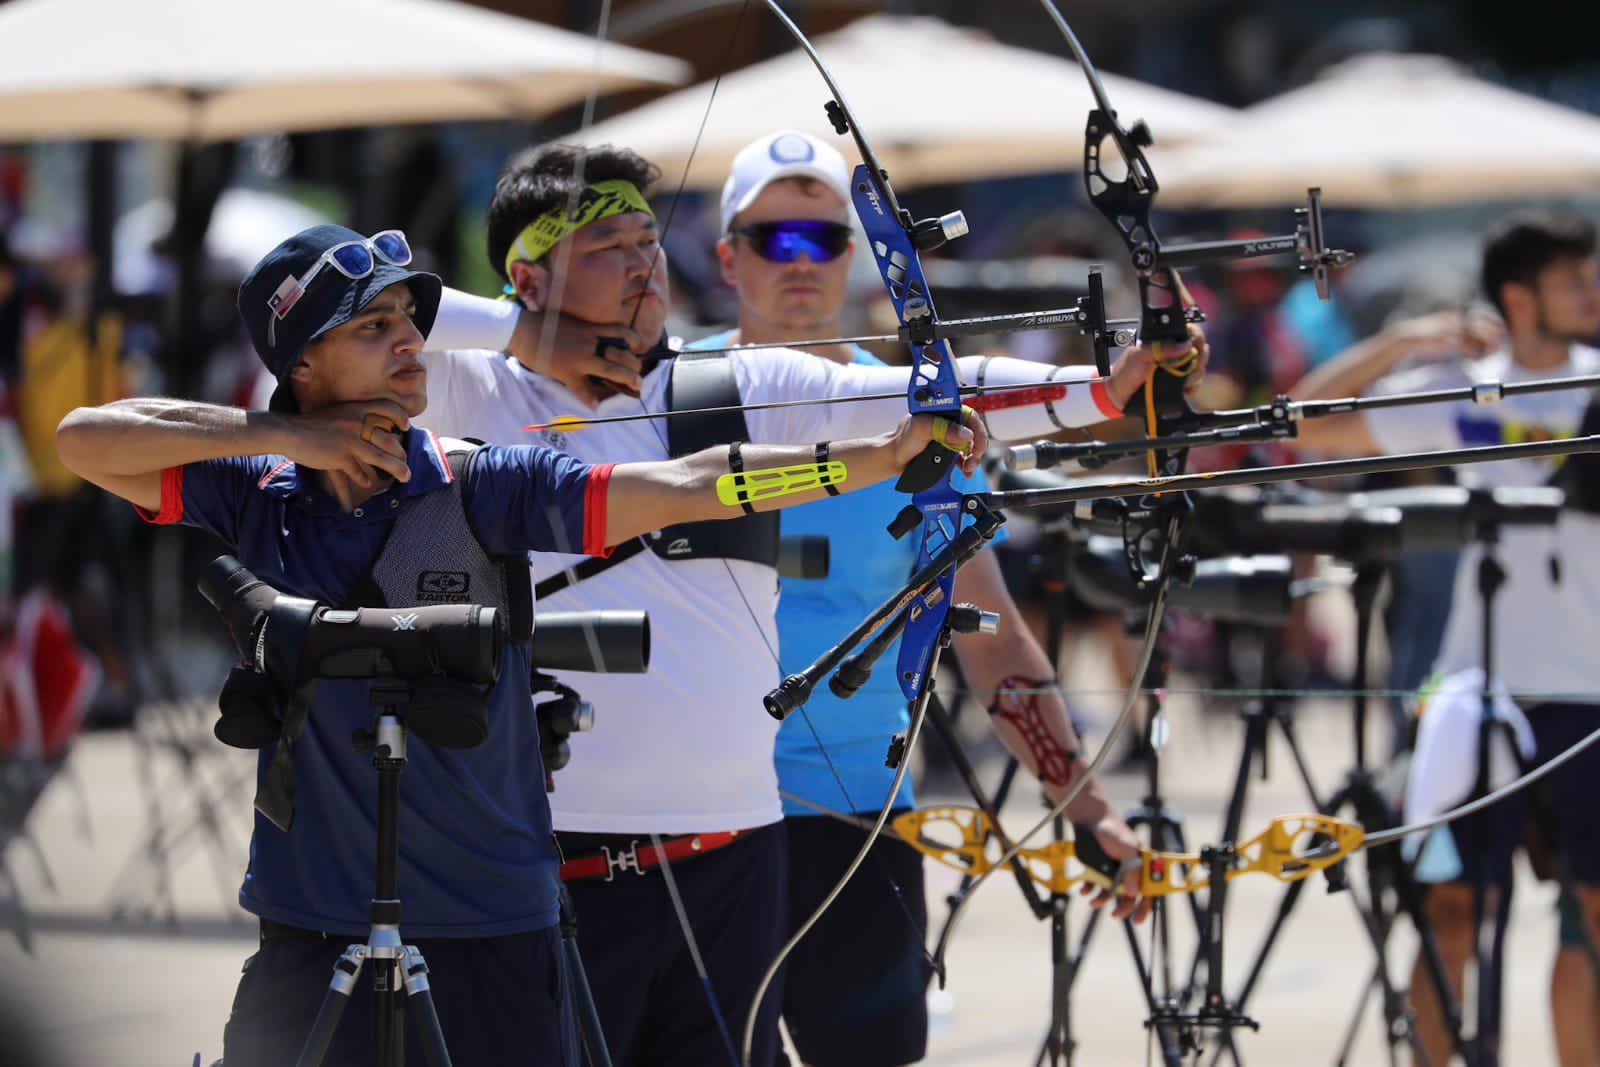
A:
[415,971]
[388,1013]
[594,1038]
[346,971]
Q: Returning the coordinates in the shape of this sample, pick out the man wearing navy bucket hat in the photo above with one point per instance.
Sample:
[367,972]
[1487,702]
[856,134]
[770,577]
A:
[325,496]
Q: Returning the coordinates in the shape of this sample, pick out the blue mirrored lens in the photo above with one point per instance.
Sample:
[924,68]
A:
[392,247]
[785,242]
[353,259]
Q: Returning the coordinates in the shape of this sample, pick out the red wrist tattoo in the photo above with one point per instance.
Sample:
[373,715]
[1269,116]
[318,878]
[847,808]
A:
[1016,701]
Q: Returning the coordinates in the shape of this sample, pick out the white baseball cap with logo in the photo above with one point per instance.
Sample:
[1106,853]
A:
[785,154]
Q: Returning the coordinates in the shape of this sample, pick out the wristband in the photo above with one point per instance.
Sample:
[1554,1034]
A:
[736,465]
[824,468]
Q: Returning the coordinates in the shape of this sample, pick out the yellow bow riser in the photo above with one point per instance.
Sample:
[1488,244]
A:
[1290,848]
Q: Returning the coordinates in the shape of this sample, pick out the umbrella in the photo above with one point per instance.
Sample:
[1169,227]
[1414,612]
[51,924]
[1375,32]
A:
[1387,131]
[938,103]
[202,70]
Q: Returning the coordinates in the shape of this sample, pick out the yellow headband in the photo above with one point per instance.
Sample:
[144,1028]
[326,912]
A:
[598,201]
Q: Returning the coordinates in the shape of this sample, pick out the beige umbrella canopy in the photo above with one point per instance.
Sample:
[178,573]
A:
[202,70]
[937,103]
[1384,131]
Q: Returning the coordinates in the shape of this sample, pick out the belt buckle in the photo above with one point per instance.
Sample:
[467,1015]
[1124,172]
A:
[626,859]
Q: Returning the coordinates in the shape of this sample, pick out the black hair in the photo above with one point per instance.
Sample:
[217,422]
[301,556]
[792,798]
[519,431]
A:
[552,175]
[1518,247]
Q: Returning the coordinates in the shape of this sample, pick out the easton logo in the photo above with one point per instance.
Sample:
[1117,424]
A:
[405,622]
[446,586]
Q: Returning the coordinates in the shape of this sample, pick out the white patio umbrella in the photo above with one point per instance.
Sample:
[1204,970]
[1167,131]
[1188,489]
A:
[937,103]
[1385,131]
[204,70]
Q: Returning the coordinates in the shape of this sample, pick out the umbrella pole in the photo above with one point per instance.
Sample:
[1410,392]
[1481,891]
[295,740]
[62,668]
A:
[204,171]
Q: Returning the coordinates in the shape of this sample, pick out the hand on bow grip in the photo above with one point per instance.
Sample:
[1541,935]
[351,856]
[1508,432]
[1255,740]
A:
[926,444]
[1160,362]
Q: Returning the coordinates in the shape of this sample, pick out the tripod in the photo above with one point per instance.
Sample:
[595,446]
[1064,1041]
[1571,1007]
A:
[394,963]
[1387,874]
[1164,832]
[399,972]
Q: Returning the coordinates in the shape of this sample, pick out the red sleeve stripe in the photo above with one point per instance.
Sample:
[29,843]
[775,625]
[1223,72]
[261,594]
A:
[171,499]
[440,458]
[267,477]
[594,510]
[1017,398]
[1102,399]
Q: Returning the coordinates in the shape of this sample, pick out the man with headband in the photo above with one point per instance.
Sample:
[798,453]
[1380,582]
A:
[331,495]
[669,813]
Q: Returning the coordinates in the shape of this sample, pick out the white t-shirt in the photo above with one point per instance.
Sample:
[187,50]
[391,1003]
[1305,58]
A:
[686,747]
[1547,614]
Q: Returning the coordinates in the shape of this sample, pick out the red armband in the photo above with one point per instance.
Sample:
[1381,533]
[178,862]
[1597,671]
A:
[171,499]
[594,510]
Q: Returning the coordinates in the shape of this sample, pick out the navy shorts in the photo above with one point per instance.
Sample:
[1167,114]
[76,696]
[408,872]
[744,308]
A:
[856,990]
[653,1007]
[493,995]
[1568,793]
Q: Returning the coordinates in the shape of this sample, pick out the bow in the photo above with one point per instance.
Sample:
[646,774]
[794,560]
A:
[936,508]
[934,387]
[1126,203]
[1288,849]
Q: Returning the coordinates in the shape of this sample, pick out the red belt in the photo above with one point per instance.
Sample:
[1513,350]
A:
[611,862]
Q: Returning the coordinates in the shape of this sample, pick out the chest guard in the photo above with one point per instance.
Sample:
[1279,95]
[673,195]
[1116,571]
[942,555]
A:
[706,380]
[432,556]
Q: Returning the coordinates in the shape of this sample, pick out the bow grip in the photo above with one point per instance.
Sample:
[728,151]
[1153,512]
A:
[1093,856]
[926,471]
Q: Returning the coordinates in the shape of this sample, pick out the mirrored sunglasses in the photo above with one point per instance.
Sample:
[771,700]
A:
[354,259]
[786,240]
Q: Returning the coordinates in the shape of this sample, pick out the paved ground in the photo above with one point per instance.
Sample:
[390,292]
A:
[115,991]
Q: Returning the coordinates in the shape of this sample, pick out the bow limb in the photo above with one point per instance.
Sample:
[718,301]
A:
[1288,849]
[933,388]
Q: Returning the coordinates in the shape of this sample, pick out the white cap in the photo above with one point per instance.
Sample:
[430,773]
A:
[785,154]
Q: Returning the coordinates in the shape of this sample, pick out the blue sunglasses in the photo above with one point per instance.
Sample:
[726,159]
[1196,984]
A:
[354,259]
[787,240]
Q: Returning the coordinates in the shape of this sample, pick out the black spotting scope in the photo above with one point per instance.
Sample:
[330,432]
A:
[601,642]
[1451,516]
[293,640]
[446,652]
[1257,590]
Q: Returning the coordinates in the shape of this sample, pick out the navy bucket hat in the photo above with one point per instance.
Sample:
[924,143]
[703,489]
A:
[284,311]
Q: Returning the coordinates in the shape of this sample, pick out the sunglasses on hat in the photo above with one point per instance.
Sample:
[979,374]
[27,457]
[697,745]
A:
[787,240]
[354,259]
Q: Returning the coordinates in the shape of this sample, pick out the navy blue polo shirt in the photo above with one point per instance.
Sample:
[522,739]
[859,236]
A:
[477,857]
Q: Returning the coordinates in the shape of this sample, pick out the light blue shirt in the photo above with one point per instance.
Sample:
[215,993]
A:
[846,772]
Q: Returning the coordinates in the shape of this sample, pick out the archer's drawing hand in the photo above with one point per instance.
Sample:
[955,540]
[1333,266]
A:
[356,444]
[592,359]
